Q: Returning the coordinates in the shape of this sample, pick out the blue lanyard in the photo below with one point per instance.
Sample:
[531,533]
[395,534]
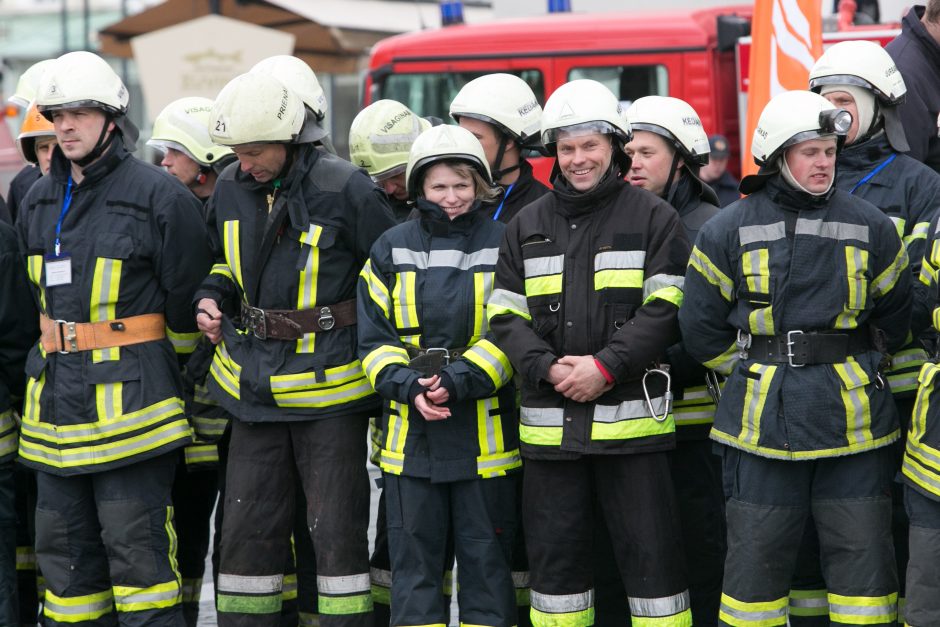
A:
[871,175]
[502,202]
[65,209]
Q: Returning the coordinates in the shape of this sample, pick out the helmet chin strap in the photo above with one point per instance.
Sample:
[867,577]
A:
[104,140]
[497,173]
[667,189]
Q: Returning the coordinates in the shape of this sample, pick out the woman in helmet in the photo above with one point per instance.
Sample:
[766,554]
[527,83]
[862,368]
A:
[799,293]
[503,114]
[450,442]
[668,147]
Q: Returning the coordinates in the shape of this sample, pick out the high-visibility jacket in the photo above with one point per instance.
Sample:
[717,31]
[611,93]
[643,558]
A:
[908,192]
[781,261]
[137,245]
[18,331]
[597,273]
[306,251]
[921,464]
[426,286]
[694,405]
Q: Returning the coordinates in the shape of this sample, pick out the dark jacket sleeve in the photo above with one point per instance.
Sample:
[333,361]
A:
[922,206]
[509,316]
[373,213]
[654,327]
[19,320]
[219,285]
[890,288]
[482,370]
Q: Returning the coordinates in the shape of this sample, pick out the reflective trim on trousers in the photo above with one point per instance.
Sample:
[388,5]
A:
[858,610]
[562,603]
[756,614]
[131,599]
[809,603]
[78,609]
[661,606]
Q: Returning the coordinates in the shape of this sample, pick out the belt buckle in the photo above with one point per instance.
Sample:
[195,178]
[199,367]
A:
[326,319]
[66,333]
[445,354]
[255,322]
[790,344]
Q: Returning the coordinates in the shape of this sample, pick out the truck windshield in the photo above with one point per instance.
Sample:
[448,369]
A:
[628,82]
[431,93]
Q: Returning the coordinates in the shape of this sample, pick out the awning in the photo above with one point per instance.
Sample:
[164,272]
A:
[332,35]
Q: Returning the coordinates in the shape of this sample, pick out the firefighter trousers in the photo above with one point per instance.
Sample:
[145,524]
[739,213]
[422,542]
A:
[106,545]
[9,612]
[29,585]
[265,461]
[636,498]
[194,495]
[923,568]
[481,514]
[768,504]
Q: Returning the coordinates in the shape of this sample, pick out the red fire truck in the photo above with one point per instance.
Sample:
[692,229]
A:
[700,56]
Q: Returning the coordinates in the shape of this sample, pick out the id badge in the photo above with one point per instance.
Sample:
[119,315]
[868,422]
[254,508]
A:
[58,270]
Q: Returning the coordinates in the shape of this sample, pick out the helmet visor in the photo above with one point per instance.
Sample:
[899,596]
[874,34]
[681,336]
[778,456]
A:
[552,135]
[387,174]
[163,145]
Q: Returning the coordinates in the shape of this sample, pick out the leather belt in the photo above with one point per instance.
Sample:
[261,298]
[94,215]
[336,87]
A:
[429,361]
[293,324]
[72,337]
[798,348]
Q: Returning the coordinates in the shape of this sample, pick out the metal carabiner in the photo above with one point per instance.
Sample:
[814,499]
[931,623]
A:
[667,397]
[713,385]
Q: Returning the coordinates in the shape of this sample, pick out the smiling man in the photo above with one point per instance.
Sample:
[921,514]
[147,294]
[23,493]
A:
[798,294]
[588,286]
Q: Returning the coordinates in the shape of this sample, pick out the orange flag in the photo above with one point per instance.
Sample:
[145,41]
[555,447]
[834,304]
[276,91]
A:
[786,40]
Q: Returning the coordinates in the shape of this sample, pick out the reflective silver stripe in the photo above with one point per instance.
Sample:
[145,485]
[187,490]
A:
[490,426]
[343,374]
[493,361]
[520,579]
[901,357]
[618,260]
[505,459]
[662,606]
[380,577]
[505,299]
[147,597]
[75,610]
[287,399]
[626,410]
[130,421]
[562,603]
[177,431]
[861,610]
[265,584]
[444,258]
[761,233]
[541,266]
[832,230]
[542,416]
[343,584]
[810,602]
[754,616]
[659,281]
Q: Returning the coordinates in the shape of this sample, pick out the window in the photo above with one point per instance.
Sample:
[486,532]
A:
[628,82]
[431,94]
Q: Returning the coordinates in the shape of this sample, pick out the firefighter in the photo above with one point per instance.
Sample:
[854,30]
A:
[450,453]
[716,173]
[801,291]
[595,418]
[23,95]
[503,114]
[668,148]
[379,141]
[292,226]
[18,332]
[36,140]
[181,134]
[861,77]
[115,249]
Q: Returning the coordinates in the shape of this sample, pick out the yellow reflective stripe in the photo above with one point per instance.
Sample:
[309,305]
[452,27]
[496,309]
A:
[191,590]
[490,359]
[936,319]
[755,396]
[633,428]
[289,587]
[183,343]
[920,231]
[131,599]
[7,433]
[105,288]
[761,321]
[226,371]
[316,397]
[582,618]
[34,266]
[856,401]
[885,281]
[603,279]
[673,295]
[761,614]
[505,302]
[756,270]
[482,287]
[921,465]
[307,284]
[406,312]
[328,378]
[859,610]
[77,609]
[700,262]
[540,436]
[724,363]
[773,453]
[808,603]
[856,265]
[381,357]
[542,285]
[928,273]
[33,394]
[397,431]
[489,426]
[222,269]
[25,558]
[343,606]
[377,290]
[94,432]
[925,378]
[201,454]
[232,246]
[172,541]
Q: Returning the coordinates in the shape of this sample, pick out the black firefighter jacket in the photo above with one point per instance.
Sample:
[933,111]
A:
[781,261]
[425,286]
[137,244]
[307,252]
[597,273]
[514,197]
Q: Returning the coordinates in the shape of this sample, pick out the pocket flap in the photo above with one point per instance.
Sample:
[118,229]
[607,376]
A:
[127,368]
[852,375]
[114,246]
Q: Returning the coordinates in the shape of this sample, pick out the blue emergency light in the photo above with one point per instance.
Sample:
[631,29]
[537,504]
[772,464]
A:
[451,12]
